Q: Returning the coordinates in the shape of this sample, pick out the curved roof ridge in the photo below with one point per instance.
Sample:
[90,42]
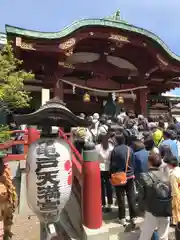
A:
[105,22]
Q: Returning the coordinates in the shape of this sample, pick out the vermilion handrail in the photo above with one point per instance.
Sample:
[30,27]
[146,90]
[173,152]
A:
[76,157]
[10,143]
[19,131]
[75,151]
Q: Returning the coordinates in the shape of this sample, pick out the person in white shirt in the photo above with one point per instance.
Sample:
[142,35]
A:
[96,121]
[166,154]
[94,126]
[103,128]
[104,149]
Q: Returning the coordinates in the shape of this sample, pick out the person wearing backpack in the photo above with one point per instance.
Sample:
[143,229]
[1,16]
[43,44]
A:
[155,192]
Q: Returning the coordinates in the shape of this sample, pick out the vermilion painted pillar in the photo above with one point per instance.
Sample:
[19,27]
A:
[91,192]
[141,101]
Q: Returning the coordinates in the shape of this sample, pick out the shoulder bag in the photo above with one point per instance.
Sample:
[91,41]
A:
[120,178]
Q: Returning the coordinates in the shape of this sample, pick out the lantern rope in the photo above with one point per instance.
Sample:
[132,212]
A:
[99,90]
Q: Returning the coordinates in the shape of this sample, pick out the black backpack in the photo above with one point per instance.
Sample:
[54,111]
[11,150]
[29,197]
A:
[130,132]
[161,203]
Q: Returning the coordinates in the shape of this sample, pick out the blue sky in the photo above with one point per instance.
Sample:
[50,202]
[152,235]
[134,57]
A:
[159,16]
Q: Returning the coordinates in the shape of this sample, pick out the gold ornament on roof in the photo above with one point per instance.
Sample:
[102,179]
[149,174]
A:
[69,52]
[67,44]
[118,38]
[28,46]
[66,65]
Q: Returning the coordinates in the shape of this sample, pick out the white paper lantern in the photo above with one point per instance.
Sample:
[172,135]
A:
[49,177]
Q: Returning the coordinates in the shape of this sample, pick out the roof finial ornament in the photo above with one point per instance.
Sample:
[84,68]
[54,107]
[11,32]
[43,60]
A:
[116,15]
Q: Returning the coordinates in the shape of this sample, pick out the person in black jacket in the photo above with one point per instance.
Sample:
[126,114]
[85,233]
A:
[118,164]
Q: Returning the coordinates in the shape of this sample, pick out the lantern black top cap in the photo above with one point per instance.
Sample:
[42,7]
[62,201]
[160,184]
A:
[53,113]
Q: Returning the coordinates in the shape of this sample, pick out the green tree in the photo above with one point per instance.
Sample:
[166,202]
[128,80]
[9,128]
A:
[12,77]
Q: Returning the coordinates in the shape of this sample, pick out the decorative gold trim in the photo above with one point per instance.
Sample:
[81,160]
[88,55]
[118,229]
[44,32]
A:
[69,52]
[28,46]
[66,65]
[161,60]
[67,44]
[119,38]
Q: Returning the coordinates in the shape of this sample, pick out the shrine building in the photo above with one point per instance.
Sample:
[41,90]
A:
[93,61]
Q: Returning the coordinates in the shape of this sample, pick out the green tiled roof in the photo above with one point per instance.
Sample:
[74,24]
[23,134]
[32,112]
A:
[112,22]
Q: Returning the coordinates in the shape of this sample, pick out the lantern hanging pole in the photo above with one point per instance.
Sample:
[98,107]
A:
[100,90]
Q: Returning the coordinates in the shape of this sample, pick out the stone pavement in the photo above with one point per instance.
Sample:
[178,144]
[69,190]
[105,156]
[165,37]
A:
[117,232]
[26,229]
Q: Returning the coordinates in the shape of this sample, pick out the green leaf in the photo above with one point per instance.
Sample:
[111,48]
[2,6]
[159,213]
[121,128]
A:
[12,78]
[4,133]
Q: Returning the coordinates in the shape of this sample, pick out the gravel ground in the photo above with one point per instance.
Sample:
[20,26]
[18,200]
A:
[26,229]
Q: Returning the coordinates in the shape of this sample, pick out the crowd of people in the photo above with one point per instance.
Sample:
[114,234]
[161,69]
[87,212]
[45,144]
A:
[139,158]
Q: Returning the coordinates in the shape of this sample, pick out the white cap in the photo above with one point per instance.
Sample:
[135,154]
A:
[109,121]
[96,116]
[140,117]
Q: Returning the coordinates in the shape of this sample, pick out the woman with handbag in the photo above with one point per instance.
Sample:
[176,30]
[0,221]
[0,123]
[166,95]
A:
[122,178]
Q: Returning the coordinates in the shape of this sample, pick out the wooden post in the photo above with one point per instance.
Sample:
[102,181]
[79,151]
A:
[141,101]
[170,107]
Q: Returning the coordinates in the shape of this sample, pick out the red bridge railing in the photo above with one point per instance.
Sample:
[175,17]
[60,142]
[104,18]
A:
[10,143]
[88,215]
